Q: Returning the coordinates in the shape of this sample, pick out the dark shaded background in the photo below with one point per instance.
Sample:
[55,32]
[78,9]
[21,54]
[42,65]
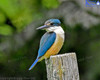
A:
[19,39]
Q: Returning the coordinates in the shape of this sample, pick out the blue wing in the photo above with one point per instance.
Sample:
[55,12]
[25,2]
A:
[46,42]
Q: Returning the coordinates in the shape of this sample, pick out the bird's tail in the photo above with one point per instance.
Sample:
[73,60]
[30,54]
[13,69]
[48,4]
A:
[35,62]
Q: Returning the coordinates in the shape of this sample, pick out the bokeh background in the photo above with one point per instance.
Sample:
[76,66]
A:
[19,39]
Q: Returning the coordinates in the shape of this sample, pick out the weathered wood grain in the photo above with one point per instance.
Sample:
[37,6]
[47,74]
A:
[62,67]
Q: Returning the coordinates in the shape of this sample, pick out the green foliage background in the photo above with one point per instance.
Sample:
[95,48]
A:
[16,15]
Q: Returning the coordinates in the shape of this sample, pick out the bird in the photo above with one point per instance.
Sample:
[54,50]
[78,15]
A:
[51,42]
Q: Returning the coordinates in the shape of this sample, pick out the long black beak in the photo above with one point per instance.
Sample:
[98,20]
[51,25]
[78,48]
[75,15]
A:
[42,27]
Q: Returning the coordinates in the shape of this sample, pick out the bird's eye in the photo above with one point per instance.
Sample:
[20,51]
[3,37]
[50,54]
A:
[51,23]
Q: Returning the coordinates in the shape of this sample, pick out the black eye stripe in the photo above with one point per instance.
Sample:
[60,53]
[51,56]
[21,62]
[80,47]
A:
[52,24]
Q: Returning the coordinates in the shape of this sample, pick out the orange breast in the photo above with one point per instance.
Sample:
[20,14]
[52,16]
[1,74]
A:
[55,48]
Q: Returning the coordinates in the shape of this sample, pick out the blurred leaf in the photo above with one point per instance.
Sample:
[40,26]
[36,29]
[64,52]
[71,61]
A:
[50,3]
[6,30]
[18,12]
[22,20]
[9,7]
[2,18]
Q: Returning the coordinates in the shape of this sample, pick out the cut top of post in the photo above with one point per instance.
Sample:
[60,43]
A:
[62,67]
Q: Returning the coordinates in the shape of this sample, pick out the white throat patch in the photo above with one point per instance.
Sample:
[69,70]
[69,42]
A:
[57,29]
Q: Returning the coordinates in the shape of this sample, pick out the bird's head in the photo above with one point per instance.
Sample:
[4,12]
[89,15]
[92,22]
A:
[51,25]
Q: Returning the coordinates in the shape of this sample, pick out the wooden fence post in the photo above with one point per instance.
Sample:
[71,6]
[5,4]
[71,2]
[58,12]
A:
[62,67]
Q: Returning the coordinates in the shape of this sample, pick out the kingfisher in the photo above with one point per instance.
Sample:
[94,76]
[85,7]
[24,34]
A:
[51,42]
